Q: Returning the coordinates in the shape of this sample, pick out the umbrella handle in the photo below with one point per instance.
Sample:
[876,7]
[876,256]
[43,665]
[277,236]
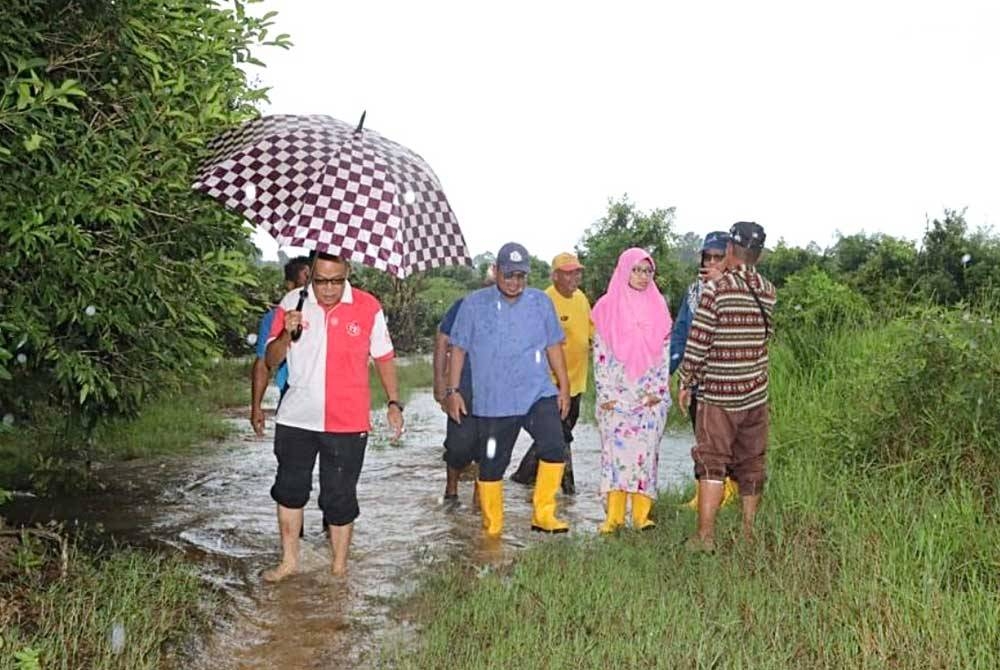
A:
[297,333]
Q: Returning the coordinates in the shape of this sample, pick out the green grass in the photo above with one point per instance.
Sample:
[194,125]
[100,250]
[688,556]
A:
[129,609]
[876,543]
[413,374]
[173,423]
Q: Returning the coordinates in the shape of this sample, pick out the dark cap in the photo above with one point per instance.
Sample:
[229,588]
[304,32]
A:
[716,240]
[747,234]
[512,257]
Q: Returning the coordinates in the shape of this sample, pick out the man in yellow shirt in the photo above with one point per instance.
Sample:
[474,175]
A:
[573,309]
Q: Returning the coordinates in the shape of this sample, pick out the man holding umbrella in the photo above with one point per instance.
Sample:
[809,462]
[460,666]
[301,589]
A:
[326,409]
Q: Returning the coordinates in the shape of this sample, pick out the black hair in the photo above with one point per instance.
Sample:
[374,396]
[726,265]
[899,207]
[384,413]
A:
[294,267]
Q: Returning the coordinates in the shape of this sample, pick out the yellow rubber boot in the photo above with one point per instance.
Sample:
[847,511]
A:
[547,482]
[616,512]
[491,504]
[640,512]
[730,492]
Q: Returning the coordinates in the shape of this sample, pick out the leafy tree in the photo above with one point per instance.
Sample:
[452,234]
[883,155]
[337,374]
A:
[956,266]
[622,227]
[784,261]
[116,279]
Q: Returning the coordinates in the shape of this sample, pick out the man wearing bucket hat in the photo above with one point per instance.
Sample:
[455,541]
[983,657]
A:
[573,309]
[512,338]
[726,363]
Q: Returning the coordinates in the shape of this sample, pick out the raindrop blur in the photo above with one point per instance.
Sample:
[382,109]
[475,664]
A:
[8,419]
[249,193]
[966,259]
[252,339]
[117,637]
[22,359]
[90,310]
[409,197]
[538,357]
[491,447]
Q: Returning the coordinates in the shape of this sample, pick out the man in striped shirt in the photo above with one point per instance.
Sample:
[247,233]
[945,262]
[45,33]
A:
[726,360]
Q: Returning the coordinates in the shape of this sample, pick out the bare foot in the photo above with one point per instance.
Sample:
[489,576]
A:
[338,571]
[284,569]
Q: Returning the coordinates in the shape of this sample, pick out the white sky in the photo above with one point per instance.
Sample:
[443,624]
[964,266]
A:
[806,117]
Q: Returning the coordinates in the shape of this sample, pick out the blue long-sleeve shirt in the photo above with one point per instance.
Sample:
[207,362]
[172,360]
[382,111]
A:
[682,325]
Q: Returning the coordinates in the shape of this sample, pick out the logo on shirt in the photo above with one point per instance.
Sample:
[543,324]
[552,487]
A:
[354,329]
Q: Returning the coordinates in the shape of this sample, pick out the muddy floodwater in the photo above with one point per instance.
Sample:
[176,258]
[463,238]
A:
[215,507]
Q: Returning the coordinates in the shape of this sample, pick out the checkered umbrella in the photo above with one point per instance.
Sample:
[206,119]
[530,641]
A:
[314,182]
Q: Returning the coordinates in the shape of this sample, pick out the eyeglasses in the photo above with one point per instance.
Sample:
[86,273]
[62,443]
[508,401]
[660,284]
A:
[514,276]
[642,270]
[328,281]
[715,258]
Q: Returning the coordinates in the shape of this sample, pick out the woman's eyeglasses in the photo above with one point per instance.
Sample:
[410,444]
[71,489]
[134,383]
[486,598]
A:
[642,270]
[716,258]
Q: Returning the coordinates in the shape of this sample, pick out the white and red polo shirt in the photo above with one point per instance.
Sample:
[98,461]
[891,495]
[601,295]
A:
[328,366]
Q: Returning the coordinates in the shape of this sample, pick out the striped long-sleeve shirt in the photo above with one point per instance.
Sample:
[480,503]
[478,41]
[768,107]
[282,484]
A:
[726,354]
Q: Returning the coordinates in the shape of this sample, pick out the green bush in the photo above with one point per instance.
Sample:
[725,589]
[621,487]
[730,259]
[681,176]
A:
[811,307]
[116,279]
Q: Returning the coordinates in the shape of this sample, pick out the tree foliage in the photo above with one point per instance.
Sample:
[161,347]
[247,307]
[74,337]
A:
[116,279]
[624,226]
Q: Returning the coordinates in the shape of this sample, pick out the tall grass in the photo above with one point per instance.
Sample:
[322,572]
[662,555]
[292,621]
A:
[126,610]
[173,422]
[876,542]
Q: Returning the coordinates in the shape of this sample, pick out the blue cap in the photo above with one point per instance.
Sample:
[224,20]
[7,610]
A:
[512,257]
[716,240]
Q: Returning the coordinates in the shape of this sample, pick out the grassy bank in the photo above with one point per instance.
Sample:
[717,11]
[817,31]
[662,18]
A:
[125,609]
[876,545]
[174,422]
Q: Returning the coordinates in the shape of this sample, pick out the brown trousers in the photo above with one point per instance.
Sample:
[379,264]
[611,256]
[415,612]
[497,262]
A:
[732,443]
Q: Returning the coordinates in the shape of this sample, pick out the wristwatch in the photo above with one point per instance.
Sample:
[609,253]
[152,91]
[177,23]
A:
[450,390]
[396,403]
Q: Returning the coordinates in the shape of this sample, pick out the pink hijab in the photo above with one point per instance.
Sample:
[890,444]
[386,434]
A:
[633,323]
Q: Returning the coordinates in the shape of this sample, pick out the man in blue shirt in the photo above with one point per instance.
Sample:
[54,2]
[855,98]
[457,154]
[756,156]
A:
[512,338]
[296,276]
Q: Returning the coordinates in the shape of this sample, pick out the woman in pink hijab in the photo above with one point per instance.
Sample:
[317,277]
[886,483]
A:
[632,371]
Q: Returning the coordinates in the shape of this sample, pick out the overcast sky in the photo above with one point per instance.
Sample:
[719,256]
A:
[806,117]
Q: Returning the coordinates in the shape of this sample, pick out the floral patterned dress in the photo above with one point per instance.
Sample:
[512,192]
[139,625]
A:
[631,432]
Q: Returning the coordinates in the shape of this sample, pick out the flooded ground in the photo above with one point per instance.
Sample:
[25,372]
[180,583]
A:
[216,509]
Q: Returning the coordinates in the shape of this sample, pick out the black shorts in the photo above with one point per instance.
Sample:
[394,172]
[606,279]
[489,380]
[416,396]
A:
[341,456]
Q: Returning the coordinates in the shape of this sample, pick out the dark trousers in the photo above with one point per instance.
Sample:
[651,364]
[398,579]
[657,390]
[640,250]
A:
[543,424]
[528,468]
[461,442]
[341,456]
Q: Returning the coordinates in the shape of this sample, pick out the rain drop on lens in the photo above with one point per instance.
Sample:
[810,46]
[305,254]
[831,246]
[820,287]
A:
[22,359]
[252,339]
[90,310]
[966,259]
[409,197]
[8,419]
[249,193]
[491,447]
[117,637]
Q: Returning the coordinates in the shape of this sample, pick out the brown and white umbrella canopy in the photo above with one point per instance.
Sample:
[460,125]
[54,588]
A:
[314,182]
